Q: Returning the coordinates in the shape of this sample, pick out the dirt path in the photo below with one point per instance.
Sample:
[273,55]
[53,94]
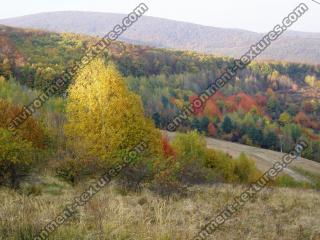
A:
[264,158]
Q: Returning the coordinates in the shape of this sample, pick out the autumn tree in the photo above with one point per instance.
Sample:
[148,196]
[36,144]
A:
[18,149]
[105,119]
[212,130]
[284,118]
[30,130]
[273,78]
[302,119]
[311,81]
[16,155]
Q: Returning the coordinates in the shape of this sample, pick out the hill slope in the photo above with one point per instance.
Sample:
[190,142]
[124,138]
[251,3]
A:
[158,32]
[257,101]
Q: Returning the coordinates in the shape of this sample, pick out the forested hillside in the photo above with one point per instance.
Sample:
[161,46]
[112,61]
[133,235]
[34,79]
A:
[164,33]
[269,104]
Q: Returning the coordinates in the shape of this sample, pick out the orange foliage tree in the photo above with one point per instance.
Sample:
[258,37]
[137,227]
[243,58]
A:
[18,149]
[30,130]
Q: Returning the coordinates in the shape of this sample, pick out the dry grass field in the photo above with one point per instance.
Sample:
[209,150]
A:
[115,214]
[276,213]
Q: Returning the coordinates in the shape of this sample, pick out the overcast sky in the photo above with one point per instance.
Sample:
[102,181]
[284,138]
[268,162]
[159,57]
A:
[254,15]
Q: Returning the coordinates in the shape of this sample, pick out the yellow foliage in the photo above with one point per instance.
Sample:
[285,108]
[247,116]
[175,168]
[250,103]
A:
[105,119]
[246,170]
[15,155]
[222,163]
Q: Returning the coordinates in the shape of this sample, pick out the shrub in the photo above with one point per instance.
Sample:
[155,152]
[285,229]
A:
[29,130]
[167,149]
[182,163]
[34,190]
[191,153]
[222,164]
[188,161]
[190,147]
[69,170]
[132,177]
[16,156]
[315,178]
[20,148]
[165,171]
[193,163]
[245,169]
[290,182]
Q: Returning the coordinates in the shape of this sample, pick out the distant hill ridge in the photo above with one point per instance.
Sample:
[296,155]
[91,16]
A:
[159,32]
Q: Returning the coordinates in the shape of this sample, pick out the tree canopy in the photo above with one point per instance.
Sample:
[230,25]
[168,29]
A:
[105,119]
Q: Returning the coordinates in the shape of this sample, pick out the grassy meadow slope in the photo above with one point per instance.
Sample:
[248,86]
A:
[275,214]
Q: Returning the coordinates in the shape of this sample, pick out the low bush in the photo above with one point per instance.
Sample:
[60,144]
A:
[315,178]
[222,164]
[245,169]
[16,156]
[290,182]
[187,161]
[69,170]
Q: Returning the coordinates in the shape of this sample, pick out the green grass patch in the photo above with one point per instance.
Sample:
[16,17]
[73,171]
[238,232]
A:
[315,178]
[290,182]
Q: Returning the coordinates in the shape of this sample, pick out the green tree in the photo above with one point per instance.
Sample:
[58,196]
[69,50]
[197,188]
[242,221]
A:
[270,141]
[190,146]
[316,150]
[227,125]
[191,155]
[195,124]
[273,107]
[204,122]
[255,134]
[292,131]
[157,119]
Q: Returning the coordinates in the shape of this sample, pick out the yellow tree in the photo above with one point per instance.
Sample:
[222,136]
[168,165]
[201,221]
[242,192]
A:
[105,119]
[285,118]
[311,80]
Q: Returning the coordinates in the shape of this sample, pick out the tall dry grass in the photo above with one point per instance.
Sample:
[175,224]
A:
[277,213]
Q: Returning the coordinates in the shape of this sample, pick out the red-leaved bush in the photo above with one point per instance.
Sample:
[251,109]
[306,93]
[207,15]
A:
[167,148]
